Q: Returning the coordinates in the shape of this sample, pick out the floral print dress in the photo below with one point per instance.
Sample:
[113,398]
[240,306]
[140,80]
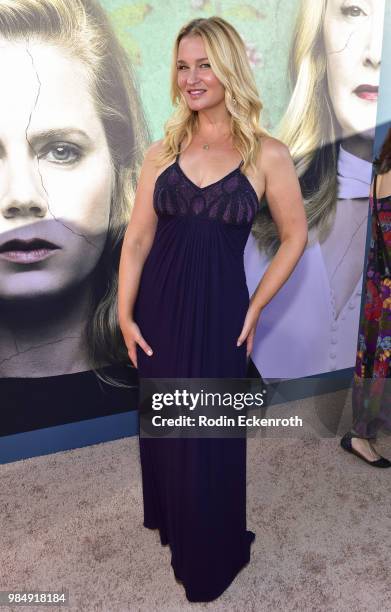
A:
[372,374]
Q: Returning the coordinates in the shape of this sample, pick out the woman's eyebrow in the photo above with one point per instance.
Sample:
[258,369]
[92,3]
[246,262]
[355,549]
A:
[44,135]
[200,59]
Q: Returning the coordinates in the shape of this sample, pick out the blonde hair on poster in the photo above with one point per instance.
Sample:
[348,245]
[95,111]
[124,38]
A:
[308,127]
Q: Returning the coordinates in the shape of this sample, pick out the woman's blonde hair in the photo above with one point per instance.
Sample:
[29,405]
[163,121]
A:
[309,128]
[228,59]
[82,28]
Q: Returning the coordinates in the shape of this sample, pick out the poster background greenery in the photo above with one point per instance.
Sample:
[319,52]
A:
[147,31]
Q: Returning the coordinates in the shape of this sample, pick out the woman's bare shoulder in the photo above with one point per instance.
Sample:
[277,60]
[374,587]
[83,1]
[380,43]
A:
[150,163]
[154,149]
[272,150]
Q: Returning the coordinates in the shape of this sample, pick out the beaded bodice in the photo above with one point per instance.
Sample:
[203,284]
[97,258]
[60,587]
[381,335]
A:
[232,199]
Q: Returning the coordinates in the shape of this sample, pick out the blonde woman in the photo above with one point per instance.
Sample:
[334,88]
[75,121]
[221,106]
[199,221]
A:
[72,134]
[329,129]
[184,306]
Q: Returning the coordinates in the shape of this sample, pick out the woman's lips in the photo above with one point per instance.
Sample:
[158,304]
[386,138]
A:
[196,93]
[27,257]
[27,251]
[367,92]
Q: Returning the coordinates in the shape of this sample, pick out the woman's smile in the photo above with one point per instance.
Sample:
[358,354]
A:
[196,93]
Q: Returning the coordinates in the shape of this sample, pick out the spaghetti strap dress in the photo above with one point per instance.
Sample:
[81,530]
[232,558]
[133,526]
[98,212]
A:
[190,307]
[371,391]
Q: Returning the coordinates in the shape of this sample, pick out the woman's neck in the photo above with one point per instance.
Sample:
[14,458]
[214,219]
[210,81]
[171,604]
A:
[360,146]
[213,124]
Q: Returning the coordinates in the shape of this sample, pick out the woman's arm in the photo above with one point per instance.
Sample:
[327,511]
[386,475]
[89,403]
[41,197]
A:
[136,245]
[286,206]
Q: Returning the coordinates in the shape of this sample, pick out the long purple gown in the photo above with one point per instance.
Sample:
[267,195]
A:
[190,308]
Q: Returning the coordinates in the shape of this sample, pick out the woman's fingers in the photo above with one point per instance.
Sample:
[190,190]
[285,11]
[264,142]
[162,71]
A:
[146,348]
[248,331]
[132,349]
[133,337]
[241,339]
[250,342]
[133,354]
[243,335]
[248,335]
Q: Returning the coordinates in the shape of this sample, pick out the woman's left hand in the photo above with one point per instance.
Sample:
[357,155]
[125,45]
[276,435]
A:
[248,330]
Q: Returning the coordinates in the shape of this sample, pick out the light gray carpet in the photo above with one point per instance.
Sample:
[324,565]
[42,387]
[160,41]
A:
[322,520]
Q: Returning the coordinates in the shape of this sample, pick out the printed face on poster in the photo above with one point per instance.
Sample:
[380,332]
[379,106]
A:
[72,137]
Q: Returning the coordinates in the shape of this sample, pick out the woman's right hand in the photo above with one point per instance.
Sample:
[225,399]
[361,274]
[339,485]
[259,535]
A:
[132,336]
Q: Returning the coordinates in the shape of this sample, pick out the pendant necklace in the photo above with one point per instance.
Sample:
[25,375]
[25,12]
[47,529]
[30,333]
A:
[206,145]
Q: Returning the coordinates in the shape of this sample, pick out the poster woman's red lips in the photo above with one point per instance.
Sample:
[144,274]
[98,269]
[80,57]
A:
[367,92]
[27,251]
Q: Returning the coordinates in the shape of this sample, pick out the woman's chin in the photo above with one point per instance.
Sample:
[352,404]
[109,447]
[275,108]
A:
[361,124]
[38,289]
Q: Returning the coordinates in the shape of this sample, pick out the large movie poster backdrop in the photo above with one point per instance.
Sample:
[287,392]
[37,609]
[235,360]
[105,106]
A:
[317,66]
[73,128]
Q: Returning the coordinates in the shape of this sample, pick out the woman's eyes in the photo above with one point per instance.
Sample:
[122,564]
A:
[205,64]
[352,10]
[61,153]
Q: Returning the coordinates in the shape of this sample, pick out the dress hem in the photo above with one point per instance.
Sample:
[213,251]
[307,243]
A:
[198,597]
[206,597]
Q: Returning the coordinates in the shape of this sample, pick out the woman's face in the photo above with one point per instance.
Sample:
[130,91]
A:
[353,39]
[196,80]
[55,172]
